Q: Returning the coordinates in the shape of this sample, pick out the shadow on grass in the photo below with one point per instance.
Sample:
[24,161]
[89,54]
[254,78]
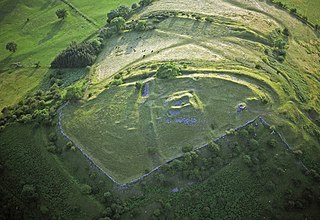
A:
[47,4]
[4,62]
[56,27]
[6,8]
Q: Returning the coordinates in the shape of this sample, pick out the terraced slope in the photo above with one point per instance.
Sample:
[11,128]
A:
[229,52]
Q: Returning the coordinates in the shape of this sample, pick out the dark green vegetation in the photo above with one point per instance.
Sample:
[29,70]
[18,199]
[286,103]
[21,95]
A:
[249,174]
[77,55]
[115,89]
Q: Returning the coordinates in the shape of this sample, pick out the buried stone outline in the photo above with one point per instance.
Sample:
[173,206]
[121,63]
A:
[168,161]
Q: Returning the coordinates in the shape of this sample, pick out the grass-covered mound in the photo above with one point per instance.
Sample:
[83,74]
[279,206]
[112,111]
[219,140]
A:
[128,131]
[172,76]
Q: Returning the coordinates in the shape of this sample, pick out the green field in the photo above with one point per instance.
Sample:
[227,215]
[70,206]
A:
[39,39]
[309,8]
[98,10]
[175,76]
[120,127]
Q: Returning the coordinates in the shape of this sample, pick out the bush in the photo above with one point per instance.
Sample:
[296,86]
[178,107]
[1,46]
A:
[293,10]
[134,6]
[168,71]
[69,145]
[122,11]
[215,148]
[118,24]
[272,143]
[117,82]
[231,131]
[61,13]
[141,25]
[187,148]
[74,93]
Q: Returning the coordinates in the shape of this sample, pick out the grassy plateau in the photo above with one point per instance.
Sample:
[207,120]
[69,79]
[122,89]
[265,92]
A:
[188,109]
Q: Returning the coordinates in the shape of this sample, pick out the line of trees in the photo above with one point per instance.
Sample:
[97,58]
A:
[116,20]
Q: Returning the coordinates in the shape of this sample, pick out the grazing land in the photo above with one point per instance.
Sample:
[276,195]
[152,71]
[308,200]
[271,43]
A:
[160,109]
[127,131]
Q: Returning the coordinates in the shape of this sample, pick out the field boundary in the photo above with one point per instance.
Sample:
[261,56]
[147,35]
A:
[91,21]
[288,146]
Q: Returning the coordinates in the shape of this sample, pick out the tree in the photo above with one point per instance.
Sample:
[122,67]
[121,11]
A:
[112,14]
[144,3]
[167,71]
[134,6]
[74,93]
[118,23]
[293,10]
[11,46]
[187,148]
[215,148]
[124,11]
[141,25]
[61,13]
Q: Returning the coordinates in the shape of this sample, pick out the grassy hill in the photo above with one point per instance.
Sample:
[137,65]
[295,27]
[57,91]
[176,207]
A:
[174,76]
[151,126]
